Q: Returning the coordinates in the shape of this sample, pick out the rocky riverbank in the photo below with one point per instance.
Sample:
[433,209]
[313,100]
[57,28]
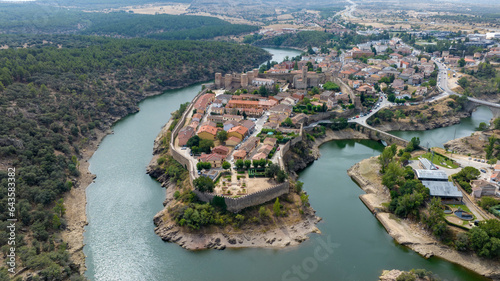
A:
[409,233]
[420,117]
[306,152]
[284,232]
[472,145]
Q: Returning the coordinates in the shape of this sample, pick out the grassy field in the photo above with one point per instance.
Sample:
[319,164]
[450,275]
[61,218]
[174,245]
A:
[440,160]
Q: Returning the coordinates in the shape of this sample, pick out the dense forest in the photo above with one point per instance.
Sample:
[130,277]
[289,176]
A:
[41,19]
[299,40]
[53,101]
[305,39]
[484,80]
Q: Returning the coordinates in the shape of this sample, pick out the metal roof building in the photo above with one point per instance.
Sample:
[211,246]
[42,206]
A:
[442,189]
[426,164]
[431,175]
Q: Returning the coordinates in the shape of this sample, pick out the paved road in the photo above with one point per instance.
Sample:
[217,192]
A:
[442,83]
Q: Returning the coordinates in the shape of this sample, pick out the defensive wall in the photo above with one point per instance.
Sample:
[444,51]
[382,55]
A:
[175,154]
[257,198]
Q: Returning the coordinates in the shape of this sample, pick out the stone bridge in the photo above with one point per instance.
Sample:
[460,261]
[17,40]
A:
[379,135]
[473,103]
[372,133]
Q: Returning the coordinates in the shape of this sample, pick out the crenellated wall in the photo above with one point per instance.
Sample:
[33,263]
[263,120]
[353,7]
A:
[257,198]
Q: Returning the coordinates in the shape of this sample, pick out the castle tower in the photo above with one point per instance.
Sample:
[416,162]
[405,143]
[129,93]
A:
[304,74]
[244,80]
[250,76]
[255,73]
[218,80]
[228,79]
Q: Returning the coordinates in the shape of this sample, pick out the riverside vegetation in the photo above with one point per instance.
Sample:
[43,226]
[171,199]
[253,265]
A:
[410,199]
[54,101]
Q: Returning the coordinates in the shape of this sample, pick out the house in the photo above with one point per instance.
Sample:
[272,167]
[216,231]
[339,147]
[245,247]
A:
[421,91]
[201,104]
[250,125]
[300,118]
[445,190]
[277,98]
[290,101]
[483,188]
[398,84]
[395,56]
[217,110]
[299,95]
[232,141]
[270,125]
[266,149]
[238,131]
[374,78]
[251,104]
[404,64]
[221,150]
[281,109]
[250,144]
[194,124]
[230,124]
[431,175]
[217,119]
[212,158]
[497,168]
[230,117]
[184,135]
[262,82]
[207,132]
[197,117]
[325,96]
[270,141]
[495,177]
[259,156]
[416,79]
[239,154]
[405,75]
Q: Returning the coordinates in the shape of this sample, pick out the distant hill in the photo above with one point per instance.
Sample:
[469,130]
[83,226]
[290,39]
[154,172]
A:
[42,19]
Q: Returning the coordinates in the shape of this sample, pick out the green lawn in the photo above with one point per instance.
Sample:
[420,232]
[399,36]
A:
[440,160]
[463,207]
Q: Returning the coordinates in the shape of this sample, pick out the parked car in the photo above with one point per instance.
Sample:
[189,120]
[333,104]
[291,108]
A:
[483,170]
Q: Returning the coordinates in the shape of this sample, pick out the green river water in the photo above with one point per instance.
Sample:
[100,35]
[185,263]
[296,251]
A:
[120,243]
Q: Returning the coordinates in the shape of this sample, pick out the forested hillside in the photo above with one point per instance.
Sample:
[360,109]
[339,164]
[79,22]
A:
[41,19]
[53,101]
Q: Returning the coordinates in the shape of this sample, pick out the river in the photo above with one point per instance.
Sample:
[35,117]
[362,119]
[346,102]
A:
[120,243]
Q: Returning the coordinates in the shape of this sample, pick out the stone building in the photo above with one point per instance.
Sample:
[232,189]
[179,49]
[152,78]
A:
[306,79]
[235,80]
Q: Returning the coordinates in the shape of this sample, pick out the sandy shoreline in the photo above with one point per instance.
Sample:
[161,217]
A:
[409,233]
[75,202]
